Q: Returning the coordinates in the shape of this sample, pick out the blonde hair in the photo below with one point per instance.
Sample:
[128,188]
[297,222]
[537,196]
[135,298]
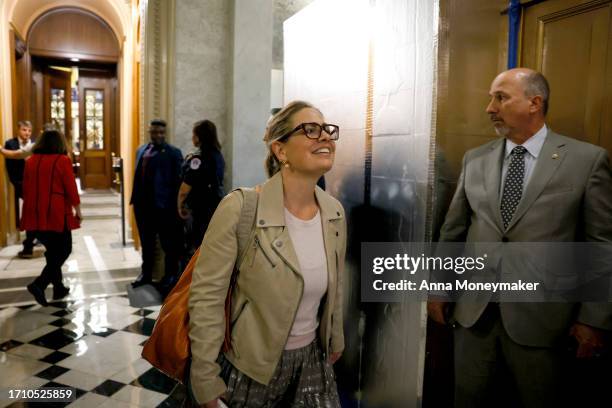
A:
[278,127]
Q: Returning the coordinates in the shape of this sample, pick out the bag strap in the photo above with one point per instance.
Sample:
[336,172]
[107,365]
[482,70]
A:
[244,231]
[247,220]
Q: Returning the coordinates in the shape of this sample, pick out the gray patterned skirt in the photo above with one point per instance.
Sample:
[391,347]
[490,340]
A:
[303,378]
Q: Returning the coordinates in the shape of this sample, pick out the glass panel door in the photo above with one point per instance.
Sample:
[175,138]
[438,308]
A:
[94,119]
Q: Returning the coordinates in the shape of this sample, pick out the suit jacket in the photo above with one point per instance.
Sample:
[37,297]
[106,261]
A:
[14,167]
[568,199]
[166,167]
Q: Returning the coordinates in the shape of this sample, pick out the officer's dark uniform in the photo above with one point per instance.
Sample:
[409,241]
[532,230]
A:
[203,171]
[156,184]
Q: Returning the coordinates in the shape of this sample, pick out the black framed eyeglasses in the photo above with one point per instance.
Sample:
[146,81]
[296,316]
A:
[313,130]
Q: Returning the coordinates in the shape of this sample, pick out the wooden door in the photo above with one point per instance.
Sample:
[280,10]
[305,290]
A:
[96,113]
[570,42]
[57,100]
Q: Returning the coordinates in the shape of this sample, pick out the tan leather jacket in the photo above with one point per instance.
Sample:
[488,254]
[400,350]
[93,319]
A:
[267,293]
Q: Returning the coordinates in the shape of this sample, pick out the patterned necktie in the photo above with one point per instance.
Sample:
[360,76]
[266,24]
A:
[513,185]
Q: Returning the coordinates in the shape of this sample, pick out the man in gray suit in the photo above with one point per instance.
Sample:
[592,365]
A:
[530,185]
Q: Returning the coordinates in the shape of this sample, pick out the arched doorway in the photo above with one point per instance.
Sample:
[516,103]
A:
[17,17]
[71,62]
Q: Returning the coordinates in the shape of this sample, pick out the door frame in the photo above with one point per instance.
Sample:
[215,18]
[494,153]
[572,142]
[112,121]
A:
[103,70]
[47,86]
[99,80]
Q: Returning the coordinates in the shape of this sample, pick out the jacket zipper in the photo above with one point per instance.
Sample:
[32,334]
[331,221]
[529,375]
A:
[258,243]
[292,321]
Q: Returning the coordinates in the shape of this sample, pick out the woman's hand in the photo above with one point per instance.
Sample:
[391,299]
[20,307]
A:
[333,357]
[77,213]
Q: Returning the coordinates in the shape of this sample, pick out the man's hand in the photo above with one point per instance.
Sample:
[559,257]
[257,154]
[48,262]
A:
[590,340]
[436,310]
[211,404]
[333,357]
[183,213]
[216,403]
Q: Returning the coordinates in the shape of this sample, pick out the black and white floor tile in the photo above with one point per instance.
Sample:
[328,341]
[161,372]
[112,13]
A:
[92,345]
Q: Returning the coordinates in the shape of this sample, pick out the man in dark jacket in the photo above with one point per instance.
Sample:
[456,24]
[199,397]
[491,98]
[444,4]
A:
[156,184]
[15,172]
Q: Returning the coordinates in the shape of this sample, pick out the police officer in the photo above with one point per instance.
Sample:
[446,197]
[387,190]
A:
[202,186]
[156,184]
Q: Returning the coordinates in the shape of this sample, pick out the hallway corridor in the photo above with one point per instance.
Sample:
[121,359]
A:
[98,264]
[91,340]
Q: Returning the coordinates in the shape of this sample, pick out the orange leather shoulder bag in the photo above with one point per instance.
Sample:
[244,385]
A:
[168,347]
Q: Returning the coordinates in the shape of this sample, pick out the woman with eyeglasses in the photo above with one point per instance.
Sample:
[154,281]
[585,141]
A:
[285,317]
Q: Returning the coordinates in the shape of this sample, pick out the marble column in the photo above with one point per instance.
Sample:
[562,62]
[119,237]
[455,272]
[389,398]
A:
[202,71]
[252,64]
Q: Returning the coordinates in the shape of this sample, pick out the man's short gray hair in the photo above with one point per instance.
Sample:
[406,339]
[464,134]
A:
[24,123]
[537,85]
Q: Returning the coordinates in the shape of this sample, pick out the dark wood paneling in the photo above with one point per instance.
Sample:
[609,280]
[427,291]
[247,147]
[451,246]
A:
[14,86]
[471,52]
[23,65]
[36,100]
[570,42]
[73,33]
[96,166]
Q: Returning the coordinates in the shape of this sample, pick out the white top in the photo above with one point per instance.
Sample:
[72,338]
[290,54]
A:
[307,239]
[534,146]
[26,148]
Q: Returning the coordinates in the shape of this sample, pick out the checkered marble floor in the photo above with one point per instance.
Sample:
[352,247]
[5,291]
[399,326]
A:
[93,345]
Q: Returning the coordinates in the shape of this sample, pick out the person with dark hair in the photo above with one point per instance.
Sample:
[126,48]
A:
[51,208]
[15,169]
[202,186]
[156,184]
[285,313]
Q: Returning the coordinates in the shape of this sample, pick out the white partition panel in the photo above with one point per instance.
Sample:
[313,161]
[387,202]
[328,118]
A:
[334,49]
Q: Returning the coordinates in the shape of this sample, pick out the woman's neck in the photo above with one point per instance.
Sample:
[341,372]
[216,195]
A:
[299,195]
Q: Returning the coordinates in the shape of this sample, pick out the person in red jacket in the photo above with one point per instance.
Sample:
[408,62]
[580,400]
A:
[51,207]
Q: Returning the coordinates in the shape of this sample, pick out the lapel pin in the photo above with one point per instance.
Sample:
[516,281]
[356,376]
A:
[555,156]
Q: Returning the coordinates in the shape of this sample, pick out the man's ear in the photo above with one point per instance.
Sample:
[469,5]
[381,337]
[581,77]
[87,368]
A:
[536,103]
[278,149]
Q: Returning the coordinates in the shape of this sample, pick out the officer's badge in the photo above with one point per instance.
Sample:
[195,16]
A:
[195,163]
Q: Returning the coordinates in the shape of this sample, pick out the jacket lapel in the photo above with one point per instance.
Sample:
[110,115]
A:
[551,156]
[283,246]
[492,165]
[329,217]
[271,216]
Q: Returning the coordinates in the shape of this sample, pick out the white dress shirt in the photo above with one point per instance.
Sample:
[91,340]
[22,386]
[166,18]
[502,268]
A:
[534,146]
[26,148]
